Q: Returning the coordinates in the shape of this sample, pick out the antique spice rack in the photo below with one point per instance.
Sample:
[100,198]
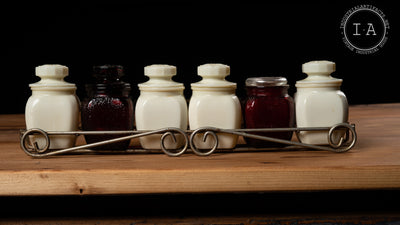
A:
[345,143]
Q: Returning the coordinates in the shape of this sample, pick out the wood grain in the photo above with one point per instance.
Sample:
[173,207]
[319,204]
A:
[374,163]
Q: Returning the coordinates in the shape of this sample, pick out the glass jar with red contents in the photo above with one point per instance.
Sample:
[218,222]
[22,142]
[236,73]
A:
[268,105]
[108,106]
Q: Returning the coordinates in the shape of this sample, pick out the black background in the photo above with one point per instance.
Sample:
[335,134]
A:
[255,39]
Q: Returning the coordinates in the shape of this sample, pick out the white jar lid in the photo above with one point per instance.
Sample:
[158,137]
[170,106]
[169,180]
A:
[320,67]
[52,70]
[213,70]
[52,77]
[213,75]
[160,78]
[160,70]
[319,74]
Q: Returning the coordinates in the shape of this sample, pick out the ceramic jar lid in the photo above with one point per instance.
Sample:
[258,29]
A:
[160,78]
[319,74]
[213,75]
[52,77]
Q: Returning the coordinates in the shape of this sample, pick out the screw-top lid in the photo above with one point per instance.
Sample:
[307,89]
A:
[52,77]
[213,75]
[319,74]
[160,78]
[266,81]
[108,71]
[108,81]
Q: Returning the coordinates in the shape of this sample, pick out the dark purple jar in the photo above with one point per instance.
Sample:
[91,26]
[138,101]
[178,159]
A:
[108,106]
[268,105]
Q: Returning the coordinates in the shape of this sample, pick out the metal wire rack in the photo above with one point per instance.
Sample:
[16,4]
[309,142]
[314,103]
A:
[344,143]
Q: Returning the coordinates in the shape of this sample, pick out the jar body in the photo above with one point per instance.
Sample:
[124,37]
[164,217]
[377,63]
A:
[269,107]
[53,110]
[215,108]
[161,109]
[319,107]
[107,112]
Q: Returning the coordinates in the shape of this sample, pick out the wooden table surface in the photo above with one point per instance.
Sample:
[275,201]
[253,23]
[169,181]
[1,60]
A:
[374,163]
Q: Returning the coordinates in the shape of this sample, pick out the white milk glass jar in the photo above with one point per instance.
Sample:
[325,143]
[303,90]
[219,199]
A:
[161,104]
[53,106]
[214,104]
[319,102]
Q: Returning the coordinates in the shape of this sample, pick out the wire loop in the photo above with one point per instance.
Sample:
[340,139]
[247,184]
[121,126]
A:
[207,131]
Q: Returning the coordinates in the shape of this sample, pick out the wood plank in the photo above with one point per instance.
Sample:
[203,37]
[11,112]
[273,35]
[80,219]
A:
[12,122]
[374,163]
[10,126]
[371,218]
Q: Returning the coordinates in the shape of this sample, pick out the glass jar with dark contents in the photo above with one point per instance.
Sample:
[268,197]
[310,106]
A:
[108,106]
[268,105]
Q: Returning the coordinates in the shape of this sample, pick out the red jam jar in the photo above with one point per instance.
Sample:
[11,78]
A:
[268,105]
[108,106]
